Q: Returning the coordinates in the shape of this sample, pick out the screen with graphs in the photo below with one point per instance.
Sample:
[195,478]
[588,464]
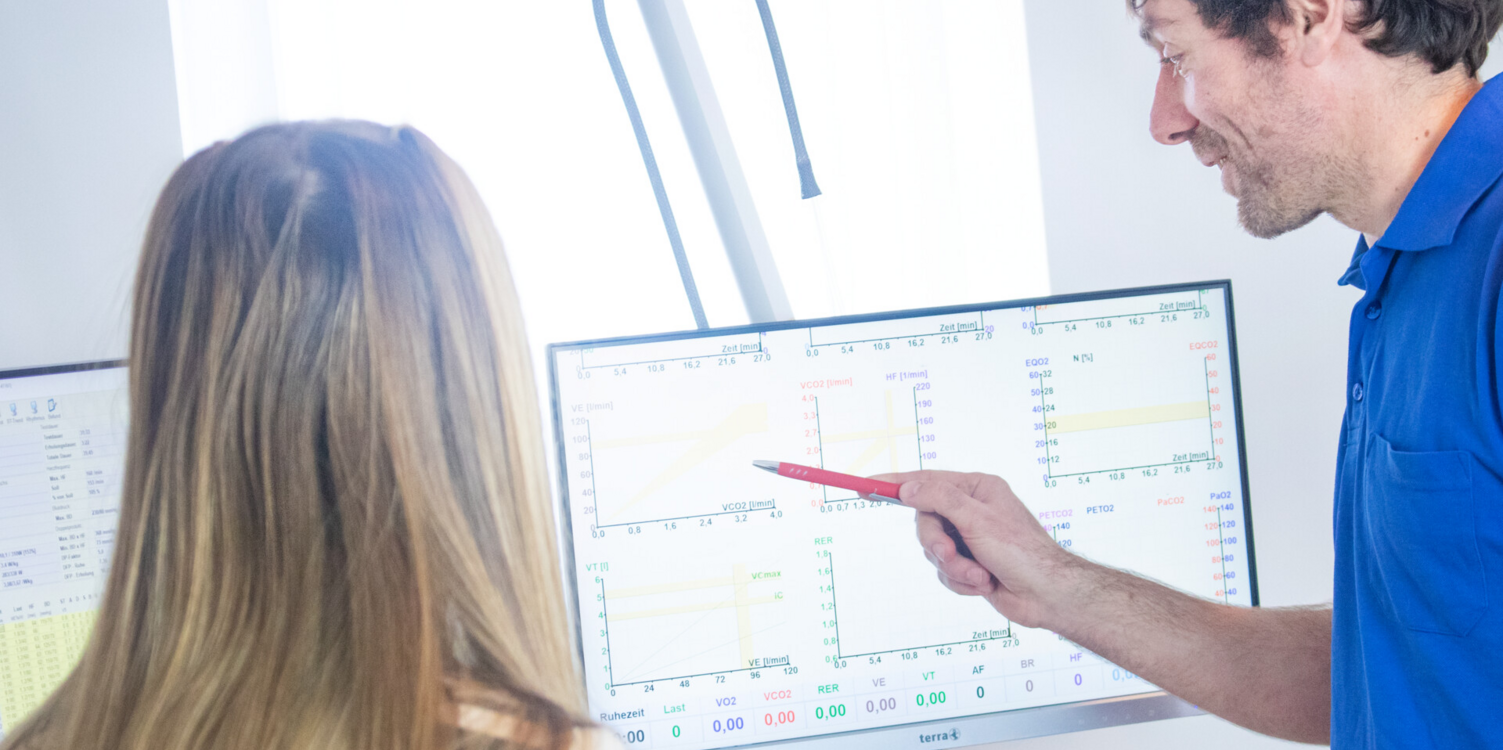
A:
[62,451]
[720,605]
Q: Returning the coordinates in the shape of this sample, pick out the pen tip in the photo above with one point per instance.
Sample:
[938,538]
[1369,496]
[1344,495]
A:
[771,466]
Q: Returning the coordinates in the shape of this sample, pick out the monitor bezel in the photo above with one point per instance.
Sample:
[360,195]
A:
[996,726]
[31,372]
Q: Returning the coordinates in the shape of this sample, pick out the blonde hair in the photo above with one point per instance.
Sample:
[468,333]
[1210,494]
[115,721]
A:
[334,508]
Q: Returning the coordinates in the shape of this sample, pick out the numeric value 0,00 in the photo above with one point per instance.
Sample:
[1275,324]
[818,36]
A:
[728,725]
[778,719]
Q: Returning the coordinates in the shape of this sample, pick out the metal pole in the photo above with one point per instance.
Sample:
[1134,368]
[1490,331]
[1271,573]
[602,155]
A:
[715,159]
[691,290]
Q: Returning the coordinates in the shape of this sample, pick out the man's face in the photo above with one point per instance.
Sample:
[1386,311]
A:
[1251,116]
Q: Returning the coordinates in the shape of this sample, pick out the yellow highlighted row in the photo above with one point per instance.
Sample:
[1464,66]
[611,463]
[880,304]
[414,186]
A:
[1101,420]
[35,656]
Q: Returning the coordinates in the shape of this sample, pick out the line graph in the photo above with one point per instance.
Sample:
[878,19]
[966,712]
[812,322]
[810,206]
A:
[1173,435]
[882,336]
[1140,311]
[869,432]
[656,477]
[880,603]
[679,630]
[624,359]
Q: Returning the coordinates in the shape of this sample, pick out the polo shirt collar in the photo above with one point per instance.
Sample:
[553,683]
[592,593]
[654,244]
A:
[1353,275]
[1465,164]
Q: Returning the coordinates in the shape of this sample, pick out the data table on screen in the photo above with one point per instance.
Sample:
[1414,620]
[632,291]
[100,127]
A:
[62,447]
[720,605]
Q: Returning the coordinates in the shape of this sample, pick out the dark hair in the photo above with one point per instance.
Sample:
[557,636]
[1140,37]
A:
[1440,32]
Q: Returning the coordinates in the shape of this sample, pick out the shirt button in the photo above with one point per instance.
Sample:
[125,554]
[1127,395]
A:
[1357,391]
[1374,310]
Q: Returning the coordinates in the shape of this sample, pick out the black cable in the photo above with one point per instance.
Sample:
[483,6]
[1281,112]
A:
[800,154]
[652,167]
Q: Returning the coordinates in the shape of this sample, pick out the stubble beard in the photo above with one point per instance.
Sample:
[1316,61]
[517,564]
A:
[1274,195]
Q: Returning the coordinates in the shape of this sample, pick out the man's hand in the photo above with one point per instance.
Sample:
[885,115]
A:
[1017,566]
[1266,669]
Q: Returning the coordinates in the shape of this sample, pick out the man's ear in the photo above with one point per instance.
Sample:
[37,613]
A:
[1315,27]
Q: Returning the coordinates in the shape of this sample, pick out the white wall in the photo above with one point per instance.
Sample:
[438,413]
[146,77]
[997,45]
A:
[1121,210]
[88,123]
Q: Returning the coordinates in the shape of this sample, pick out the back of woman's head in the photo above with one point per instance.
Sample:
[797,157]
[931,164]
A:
[334,506]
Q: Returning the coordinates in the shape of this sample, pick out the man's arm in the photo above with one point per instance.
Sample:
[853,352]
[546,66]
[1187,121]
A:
[1266,669]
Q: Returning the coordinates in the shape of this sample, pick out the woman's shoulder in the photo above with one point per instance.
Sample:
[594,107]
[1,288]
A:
[484,711]
[491,723]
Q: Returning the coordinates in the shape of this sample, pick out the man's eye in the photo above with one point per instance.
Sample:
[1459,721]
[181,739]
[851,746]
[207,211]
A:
[1174,60]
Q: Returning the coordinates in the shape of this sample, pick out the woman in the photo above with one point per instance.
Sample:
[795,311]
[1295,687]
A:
[335,529]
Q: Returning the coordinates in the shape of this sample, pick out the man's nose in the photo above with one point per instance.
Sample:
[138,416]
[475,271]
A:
[1170,123]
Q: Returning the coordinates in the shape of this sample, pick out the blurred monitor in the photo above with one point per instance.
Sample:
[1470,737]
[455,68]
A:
[62,454]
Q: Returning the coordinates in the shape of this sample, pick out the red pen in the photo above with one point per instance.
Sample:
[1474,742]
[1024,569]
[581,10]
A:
[884,491]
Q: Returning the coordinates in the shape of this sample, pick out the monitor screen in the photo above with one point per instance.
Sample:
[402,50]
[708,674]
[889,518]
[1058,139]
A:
[62,452]
[719,605]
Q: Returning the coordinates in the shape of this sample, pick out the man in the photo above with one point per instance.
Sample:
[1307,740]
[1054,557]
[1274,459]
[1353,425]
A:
[1369,110]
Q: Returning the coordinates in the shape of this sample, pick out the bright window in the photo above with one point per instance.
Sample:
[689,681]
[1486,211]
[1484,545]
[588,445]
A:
[918,118]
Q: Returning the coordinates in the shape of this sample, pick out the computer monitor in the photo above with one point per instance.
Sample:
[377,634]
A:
[718,605]
[62,452]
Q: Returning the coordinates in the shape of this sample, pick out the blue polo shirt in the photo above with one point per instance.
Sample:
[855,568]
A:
[1417,648]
